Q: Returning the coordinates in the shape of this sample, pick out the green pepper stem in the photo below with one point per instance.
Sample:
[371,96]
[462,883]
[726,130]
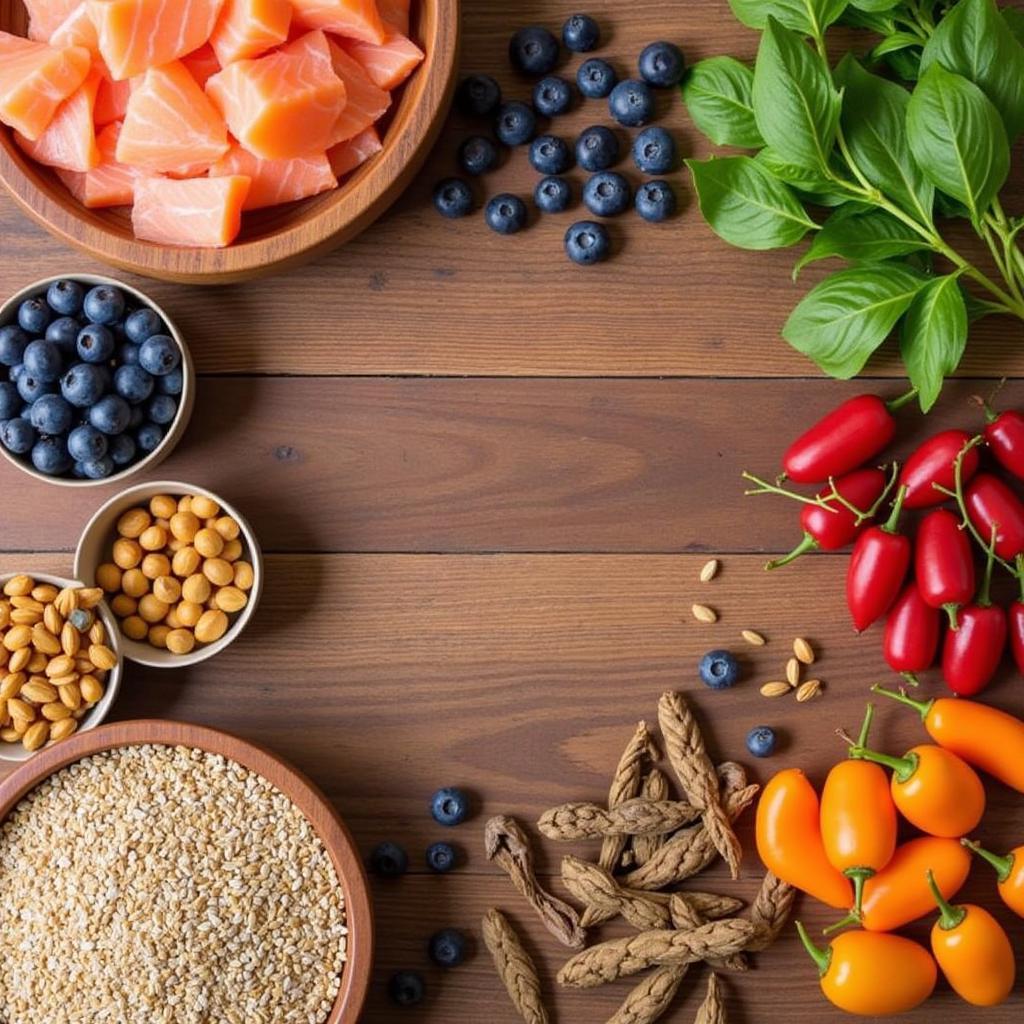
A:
[952,610]
[853,917]
[767,487]
[897,403]
[897,507]
[903,767]
[865,728]
[950,917]
[1003,865]
[984,599]
[858,876]
[1019,563]
[822,957]
[808,543]
[922,707]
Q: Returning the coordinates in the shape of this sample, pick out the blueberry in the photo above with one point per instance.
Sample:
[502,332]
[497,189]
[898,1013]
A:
[761,741]
[133,384]
[661,64]
[31,387]
[50,456]
[440,857]
[110,414]
[34,316]
[550,155]
[719,669]
[506,214]
[587,242]
[162,409]
[159,355]
[104,304]
[631,103]
[552,195]
[122,449]
[581,33]
[15,372]
[138,417]
[453,198]
[171,383]
[449,806]
[127,354]
[552,96]
[655,201]
[17,435]
[85,443]
[84,384]
[78,471]
[95,344]
[50,414]
[447,948]
[142,324]
[63,333]
[597,148]
[607,194]
[478,155]
[406,988]
[97,469]
[533,50]
[654,151]
[596,78]
[148,437]
[478,95]
[65,297]
[13,342]
[43,360]
[389,860]
[10,401]
[516,123]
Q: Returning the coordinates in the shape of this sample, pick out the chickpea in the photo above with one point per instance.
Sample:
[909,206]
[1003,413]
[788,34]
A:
[127,553]
[92,689]
[218,572]
[171,620]
[185,503]
[156,565]
[231,599]
[158,635]
[196,589]
[122,606]
[153,539]
[180,641]
[186,561]
[189,613]
[185,525]
[162,506]
[204,506]
[134,627]
[134,583]
[209,543]
[227,527]
[133,522]
[232,550]
[211,627]
[244,576]
[167,589]
[152,609]
[108,576]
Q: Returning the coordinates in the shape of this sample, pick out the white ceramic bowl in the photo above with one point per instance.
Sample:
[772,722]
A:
[94,548]
[186,400]
[16,752]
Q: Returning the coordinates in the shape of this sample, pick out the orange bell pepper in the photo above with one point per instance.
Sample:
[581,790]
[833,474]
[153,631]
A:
[1009,872]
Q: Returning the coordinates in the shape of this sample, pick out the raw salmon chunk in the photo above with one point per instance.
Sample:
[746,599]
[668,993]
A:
[45,17]
[77,29]
[395,14]
[277,181]
[366,102]
[202,63]
[107,184]
[285,104]
[35,79]
[111,100]
[70,138]
[171,126]
[204,212]
[356,19]
[389,64]
[138,34]
[347,156]
[248,28]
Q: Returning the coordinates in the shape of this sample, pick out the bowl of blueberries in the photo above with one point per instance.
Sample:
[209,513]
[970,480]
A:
[96,384]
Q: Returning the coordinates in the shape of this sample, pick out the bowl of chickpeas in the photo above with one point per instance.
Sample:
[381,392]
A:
[180,569]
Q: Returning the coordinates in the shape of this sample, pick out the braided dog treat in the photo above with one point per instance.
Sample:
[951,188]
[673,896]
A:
[654,787]
[514,966]
[685,916]
[651,998]
[638,817]
[595,888]
[625,786]
[770,911]
[712,1010]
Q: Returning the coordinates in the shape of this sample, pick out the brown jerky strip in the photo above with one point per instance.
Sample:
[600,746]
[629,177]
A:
[508,846]
[638,817]
[514,966]
[654,787]
[712,1010]
[595,887]
[770,911]
[651,998]
[685,915]
[625,786]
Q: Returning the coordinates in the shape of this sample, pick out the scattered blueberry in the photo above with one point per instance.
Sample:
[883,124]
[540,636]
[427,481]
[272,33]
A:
[631,103]
[34,316]
[17,436]
[122,449]
[96,344]
[478,155]
[65,297]
[110,414]
[10,401]
[533,50]
[596,78]
[63,332]
[440,857]
[162,409]
[171,383]
[447,948]
[597,148]
[550,155]
[552,195]
[389,860]
[31,387]
[406,988]
[127,354]
[13,342]
[449,806]
[607,194]
[98,469]
[133,384]
[552,96]
[516,123]
[581,33]
[662,65]
[50,414]
[506,214]
[587,242]
[104,304]
[761,741]
[50,456]
[453,198]
[148,437]
[142,324]
[159,354]
[43,360]
[654,150]
[655,201]
[719,669]
[83,385]
[478,95]
[85,443]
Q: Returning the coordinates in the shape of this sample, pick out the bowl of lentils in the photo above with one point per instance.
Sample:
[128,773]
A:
[96,384]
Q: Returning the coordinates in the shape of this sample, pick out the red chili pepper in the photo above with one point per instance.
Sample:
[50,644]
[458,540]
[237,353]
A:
[1015,621]
[911,633]
[842,440]
[878,567]
[991,503]
[932,463]
[1005,436]
[830,531]
[943,563]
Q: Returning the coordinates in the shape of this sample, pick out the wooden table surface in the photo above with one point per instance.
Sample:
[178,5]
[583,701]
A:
[486,481]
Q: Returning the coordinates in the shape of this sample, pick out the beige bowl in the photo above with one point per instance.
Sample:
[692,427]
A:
[94,549]
[16,752]
[186,400]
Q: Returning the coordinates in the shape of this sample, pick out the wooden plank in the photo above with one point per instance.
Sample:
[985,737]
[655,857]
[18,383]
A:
[415,294]
[353,464]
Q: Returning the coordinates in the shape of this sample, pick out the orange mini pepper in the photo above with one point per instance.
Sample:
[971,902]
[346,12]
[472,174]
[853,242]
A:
[789,839]
[973,951]
[873,974]
[1009,873]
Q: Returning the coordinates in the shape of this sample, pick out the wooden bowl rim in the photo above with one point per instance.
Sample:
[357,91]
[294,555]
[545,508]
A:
[321,814]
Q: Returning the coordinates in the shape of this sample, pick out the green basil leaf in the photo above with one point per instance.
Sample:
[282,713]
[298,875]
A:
[865,237]
[874,123]
[842,320]
[973,40]
[906,64]
[809,185]
[795,102]
[1015,20]
[808,17]
[717,93]
[947,207]
[880,22]
[933,336]
[746,206]
[893,42]
[875,6]
[958,138]
[978,308]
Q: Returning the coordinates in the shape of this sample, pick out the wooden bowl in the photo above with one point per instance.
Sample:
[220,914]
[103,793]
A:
[271,239]
[355,978]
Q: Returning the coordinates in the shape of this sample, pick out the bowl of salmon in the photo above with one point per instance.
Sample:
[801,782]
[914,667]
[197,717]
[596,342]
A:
[211,141]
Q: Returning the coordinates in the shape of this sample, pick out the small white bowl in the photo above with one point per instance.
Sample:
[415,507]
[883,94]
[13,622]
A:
[14,751]
[94,548]
[186,400]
